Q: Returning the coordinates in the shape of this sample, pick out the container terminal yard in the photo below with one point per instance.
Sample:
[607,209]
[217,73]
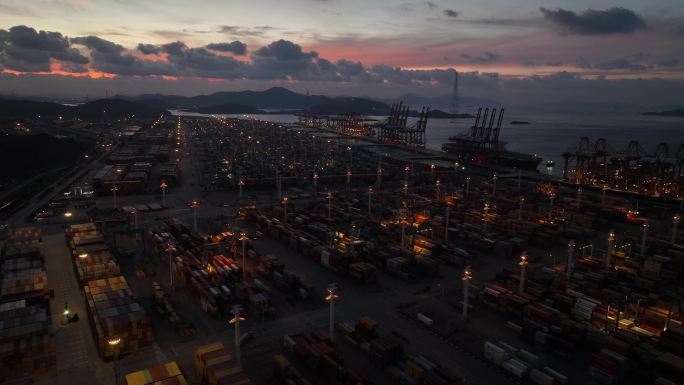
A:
[211,250]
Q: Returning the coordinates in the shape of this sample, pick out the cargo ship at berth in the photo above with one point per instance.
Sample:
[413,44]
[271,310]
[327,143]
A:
[480,144]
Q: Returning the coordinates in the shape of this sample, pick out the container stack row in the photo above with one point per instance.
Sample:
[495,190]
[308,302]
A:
[26,334]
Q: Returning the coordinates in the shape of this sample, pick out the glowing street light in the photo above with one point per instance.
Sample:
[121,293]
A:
[195,204]
[437,186]
[285,200]
[571,252]
[407,168]
[241,184]
[68,214]
[604,188]
[644,232]
[329,197]
[370,194]
[163,187]
[315,179]
[609,251]
[66,311]
[579,196]
[349,174]
[244,238]
[520,208]
[494,178]
[237,317]
[467,192]
[485,216]
[675,222]
[331,297]
[170,250]
[432,171]
[114,190]
[523,266]
[378,179]
[405,188]
[467,276]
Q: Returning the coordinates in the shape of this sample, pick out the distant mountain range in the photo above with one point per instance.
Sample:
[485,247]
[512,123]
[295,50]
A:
[95,110]
[278,100]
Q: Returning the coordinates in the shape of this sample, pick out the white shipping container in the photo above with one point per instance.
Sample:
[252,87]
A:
[561,379]
[516,367]
[541,378]
[424,319]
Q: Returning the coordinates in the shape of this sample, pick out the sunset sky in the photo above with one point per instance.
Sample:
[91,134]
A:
[381,48]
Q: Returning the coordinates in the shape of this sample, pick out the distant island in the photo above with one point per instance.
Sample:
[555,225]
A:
[677,112]
[228,108]
[519,122]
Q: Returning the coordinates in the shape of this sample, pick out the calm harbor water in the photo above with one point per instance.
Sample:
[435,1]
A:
[549,135]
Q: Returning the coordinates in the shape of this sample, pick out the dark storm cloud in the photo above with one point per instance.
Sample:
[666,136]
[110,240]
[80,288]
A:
[285,50]
[236,47]
[614,20]
[149,49]
[487,57]
[24,49]
[99,44]
[176,48]
[450,13]
[201,62]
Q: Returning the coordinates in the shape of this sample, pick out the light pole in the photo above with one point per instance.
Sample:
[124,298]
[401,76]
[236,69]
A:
[494,178]
[523,266]
[522,201]
[432,171]
[315,179]
[552,197]
[114,344]
[163,187]
[66,312]
[244,238]
[675,222]
[349,174]
[644,232]
[331,297]
[611,240]
[195,204]
[467,276]
[378,180]
[403,227]
[571,253]
[446,224]
[407,168]
[405,188]
[237,309]
[370,194]
[579,197]
[437,186]
[114,189]
[467,186]
[169,251]
[329,198]
[241,184]
[485,217]
[285,200]
[603,194]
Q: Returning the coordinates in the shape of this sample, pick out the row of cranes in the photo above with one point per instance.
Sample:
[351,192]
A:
[634,169]
[395,130]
